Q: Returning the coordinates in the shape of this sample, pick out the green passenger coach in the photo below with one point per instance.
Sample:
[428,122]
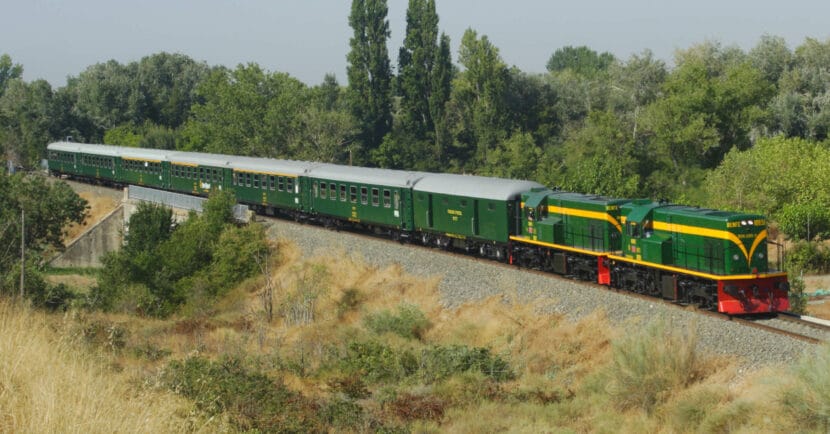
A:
[367,196]
[468,211]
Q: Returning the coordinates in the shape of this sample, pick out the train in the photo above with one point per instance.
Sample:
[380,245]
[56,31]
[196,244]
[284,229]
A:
[717,260]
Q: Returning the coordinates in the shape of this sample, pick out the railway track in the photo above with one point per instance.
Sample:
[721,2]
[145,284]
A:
[785,324]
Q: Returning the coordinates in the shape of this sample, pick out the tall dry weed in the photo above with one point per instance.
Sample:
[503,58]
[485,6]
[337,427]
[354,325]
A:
[806,394]
[47,385]
[649,366]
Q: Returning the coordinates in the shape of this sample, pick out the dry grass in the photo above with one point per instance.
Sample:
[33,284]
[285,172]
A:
[47,385]
[99,206]
[562,366]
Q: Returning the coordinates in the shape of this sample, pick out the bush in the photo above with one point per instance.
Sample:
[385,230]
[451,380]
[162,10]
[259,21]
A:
[441,362]
[409,323]
[343,414]
[378,362]
[805,221]
[251,400]
[809,257]
[648,366]
[798,301]
[409,407]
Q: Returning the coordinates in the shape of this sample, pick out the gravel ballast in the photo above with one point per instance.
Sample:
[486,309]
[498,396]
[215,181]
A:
[466,280]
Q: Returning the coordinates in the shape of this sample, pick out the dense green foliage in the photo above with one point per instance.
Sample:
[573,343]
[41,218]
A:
[722,127]
[370,73]
[162,267]
[47,207]
[250,399]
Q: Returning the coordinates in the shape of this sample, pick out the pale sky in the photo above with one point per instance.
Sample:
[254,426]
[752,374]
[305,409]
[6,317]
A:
[54,39]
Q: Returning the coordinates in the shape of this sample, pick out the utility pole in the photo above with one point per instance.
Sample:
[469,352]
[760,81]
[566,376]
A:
[22,250]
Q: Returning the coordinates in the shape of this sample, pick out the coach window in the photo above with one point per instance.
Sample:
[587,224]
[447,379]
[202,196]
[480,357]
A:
[323,190]
[353,193]
[332,191]
[463,203]
[272,182]
[364,195]
[316,189]
[289,185]
[281,183]
[342,192]
[397,200]
[387,199]
[491,206]
[375,197]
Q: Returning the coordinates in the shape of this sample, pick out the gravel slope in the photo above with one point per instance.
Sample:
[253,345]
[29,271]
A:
[465,280]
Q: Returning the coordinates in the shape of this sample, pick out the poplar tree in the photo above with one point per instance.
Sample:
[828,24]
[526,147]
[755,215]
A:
[415,64]
[369,72]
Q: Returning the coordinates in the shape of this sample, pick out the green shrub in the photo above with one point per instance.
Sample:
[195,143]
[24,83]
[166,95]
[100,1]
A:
[349,301]
[804,221]
[251,400]
[650,365]
[809,257]
[343,414]
[378,362]
[409,323]
[440,362]
[798,301]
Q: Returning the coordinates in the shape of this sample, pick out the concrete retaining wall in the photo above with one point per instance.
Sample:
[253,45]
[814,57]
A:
[103,237]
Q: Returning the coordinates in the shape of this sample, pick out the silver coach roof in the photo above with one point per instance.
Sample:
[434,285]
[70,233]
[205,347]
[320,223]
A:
[365,175]
[265,165]
[111,151]
[473,186]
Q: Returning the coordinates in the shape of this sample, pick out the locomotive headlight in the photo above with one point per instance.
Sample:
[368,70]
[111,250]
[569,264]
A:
[735,257]
[743,222]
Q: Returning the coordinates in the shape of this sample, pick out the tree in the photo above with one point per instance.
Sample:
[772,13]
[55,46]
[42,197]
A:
[772,57]
[581,60]
[8,71]
[369,72]
[48,207]
[416,61]
[246,112]
[478,102]
[27,118]
[423,85]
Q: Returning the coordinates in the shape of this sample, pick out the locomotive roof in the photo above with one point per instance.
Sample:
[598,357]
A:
[582,197]
[365,175]
[473,186]
[705,213]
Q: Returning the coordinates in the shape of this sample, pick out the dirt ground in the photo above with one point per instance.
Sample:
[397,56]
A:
[818,307]
[99,206]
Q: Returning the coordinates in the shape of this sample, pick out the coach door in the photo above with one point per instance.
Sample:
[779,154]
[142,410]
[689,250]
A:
[429,211]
